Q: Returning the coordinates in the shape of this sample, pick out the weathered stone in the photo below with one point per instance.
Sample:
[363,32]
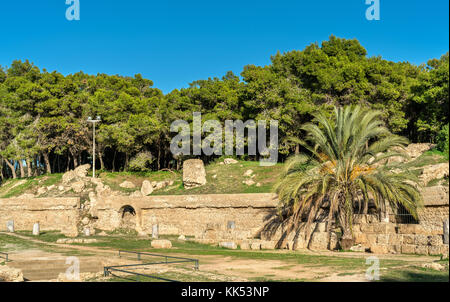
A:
[10,226]
[258,184]
[434,266]
[379,249]
[408,249]
[384,228]
[367,228]
[85,220]
[248,173]
[445,226]
[421,250]
[127,185]
[155,231]
[49,188]
[36,229]
[421,239]
[372,239]
[268,245]
[194,174]
[136,194]
[244,246]
[435,240]
[161,244]
[10,274]
[434,172]
[231,225]
[228,245]
[78,186]
[229,161]
[248,182]
[182,237]
[41,190]
[360,238]
[146,188]
[82,171]
[434,250]
[87,232]
[382,239]
[255,246]
[160,185]
[68,177]
[358,248]
[395,239]
[408,239]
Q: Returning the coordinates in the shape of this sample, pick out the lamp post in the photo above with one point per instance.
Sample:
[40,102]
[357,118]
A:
[90,120]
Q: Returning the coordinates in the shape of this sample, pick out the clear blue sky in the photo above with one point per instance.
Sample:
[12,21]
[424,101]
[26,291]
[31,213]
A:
[174,42]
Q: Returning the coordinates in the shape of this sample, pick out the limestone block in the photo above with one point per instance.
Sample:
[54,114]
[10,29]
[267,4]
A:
[268,245]
[408,239]
[194,174]
[434,250]
[161,244]
[382,239]
[146,188]
[228,245]
[379,249]
[244,245]
[127,185]
[421,239]
[255,246]
[421,250]
[408,249]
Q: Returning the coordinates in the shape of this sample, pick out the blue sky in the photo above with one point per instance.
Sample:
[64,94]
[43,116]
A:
[175,42]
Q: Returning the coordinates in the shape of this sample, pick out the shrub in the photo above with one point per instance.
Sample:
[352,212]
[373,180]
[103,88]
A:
[442,140]
[141,162]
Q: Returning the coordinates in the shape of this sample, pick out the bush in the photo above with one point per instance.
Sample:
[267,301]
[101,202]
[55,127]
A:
[141,162]
[442,140]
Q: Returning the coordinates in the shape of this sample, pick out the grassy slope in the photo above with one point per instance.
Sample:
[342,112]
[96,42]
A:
[228,179]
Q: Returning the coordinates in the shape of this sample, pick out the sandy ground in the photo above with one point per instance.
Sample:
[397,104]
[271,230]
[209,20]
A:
[218,268]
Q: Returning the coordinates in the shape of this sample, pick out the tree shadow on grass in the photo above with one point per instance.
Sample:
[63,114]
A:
[416,275]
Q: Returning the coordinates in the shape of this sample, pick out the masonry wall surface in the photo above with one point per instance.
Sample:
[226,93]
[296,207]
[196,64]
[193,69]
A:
[60,214]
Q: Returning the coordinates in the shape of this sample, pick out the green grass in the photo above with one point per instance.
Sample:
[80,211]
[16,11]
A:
[29,185]
[414,274]
[229,179]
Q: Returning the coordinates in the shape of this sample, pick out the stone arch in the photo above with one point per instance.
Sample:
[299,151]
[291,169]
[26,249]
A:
[128,217]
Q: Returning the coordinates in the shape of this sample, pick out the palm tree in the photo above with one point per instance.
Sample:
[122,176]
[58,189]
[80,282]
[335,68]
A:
[346,165]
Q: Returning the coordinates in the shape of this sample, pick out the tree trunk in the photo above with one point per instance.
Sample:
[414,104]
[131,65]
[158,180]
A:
[297,149]
[100,157]
[159,156]
[125,168]
[345,222]
[75,160]
[114,161]
[13,169]
[48,168]
[22,171]
[28,161]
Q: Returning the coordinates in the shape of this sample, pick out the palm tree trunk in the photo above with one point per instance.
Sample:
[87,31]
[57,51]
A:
[345,222]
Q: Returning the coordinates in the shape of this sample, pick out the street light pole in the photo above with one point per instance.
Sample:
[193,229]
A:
[90,120]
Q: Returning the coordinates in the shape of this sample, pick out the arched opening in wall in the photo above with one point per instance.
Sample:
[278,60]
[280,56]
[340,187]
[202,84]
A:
[403,216]
[127,217]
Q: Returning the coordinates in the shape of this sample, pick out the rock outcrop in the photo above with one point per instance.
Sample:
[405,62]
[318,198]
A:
[10,274]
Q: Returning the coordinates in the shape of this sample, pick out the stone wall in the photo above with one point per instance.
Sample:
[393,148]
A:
[60,214]
[208,216]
